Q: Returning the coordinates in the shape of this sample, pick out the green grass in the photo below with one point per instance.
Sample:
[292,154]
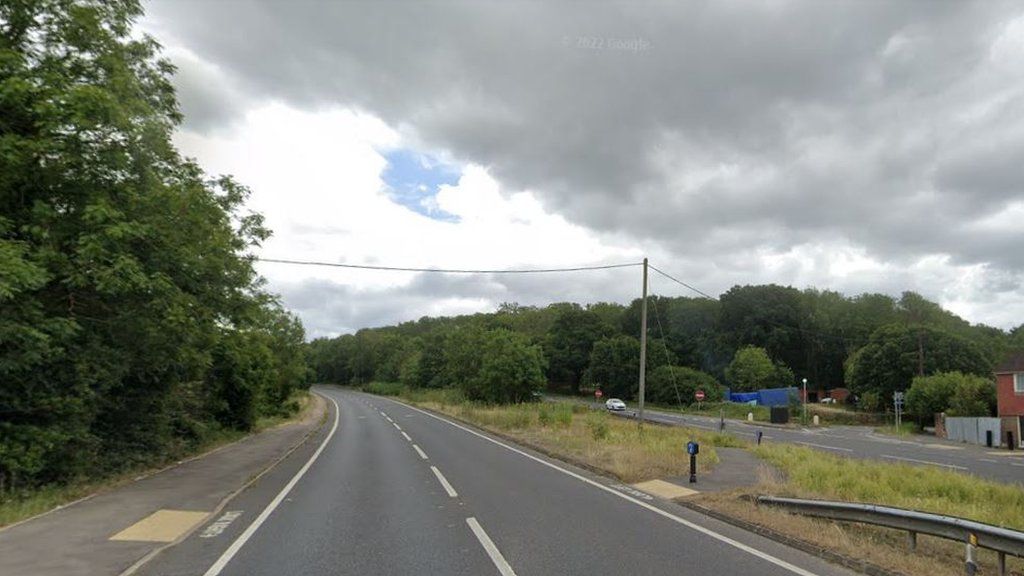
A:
[812,474]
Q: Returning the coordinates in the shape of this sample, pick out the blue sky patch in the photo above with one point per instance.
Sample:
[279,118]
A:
[414,179]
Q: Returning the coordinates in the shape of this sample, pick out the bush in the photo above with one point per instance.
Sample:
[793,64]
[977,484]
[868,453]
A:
[597,422]
[511,369]
[954,393]
[679,385]
[384,388]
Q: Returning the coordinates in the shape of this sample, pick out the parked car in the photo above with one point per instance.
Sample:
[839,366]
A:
[828,400]
[615,405]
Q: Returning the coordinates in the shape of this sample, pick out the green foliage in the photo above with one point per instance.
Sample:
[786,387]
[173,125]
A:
[570,341]
[614,366]
[679,385]
[597,423]
[511,369]
[384,388]
[751,369]
[895,354]
[132,323]
[954,393]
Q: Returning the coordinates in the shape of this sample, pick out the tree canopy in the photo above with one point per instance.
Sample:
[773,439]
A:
[132,323]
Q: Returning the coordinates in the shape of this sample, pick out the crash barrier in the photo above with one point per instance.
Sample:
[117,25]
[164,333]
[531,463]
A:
[974,534]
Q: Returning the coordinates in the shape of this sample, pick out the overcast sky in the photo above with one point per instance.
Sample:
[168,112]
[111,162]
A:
[854,146]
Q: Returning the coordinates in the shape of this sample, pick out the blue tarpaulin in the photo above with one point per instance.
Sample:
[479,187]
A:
[766,397]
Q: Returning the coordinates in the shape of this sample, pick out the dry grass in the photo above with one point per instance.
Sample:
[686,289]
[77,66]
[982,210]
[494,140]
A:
[880,546]
[812,474]
[597,439]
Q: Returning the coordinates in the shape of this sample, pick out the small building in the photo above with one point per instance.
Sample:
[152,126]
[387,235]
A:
[1010,397]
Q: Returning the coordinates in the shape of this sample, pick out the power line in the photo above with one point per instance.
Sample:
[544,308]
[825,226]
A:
[446,270]
[684,284]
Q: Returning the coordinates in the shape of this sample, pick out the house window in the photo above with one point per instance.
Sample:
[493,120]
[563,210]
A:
[1018,383]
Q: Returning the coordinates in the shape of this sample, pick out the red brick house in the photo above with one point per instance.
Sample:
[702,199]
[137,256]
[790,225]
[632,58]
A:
[1010,396]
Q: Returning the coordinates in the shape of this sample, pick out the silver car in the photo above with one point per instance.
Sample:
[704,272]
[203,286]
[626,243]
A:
[615,405]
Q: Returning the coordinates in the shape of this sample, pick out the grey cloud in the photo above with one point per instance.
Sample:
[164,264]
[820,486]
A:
[736,126]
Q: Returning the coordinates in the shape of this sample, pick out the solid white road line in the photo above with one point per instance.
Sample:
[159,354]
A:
[406,436]
[228,554]
[823,446]
[420,452]
[706,531]
[444,482]
[930,463]
[499,561]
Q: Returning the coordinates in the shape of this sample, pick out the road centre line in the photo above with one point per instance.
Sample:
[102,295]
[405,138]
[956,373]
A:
[397,427]
[499,561]
[444,482]
[989,460]
[823,446]
[420,452]
[924,462]
[406,436]
[228,554]
[691,525]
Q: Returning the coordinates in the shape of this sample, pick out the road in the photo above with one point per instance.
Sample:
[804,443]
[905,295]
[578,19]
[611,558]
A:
[863,442]
[390,489]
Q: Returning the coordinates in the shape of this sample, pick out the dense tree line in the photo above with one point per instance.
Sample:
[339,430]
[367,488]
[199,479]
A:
[132,324]
[751,337]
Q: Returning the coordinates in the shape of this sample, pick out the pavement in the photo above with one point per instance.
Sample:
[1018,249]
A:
[387,488]
[111,531]
[863,442]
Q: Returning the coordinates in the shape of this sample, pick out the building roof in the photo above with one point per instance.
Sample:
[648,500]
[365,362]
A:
[1013,363]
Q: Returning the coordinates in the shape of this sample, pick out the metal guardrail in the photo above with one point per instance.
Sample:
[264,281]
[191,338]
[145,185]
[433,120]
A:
[1002,540]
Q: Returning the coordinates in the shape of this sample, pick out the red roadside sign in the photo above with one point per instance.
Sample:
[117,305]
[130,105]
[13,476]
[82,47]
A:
[598,393]
[700,395]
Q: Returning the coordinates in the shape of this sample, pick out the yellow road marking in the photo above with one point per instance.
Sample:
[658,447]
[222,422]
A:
[1017,453]
[662,489]
[161,526]
[944,447]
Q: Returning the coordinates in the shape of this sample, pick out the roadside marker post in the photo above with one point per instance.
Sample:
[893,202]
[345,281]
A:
[971,567]
[692,448]
[759,435]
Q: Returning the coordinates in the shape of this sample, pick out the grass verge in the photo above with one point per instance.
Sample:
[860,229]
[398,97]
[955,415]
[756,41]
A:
[18,507]
[804,473]
[574,432]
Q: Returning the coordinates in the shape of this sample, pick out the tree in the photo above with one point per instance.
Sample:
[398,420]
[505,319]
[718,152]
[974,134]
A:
[751,369]
[132,322]
[679,385]
[511,369]
[615,365]
[895,354]
[954,393]
[570,342]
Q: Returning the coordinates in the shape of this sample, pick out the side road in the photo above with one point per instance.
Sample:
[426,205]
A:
[116,530]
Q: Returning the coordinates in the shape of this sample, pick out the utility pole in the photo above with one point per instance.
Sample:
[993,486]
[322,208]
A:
[643,345]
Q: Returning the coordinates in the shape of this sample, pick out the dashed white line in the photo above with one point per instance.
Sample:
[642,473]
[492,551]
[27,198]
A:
[444,482]
[397,427]
[406,436]
[654,509]
[824,446]
[989,460]
[499,561]
[420,452]
[930,463]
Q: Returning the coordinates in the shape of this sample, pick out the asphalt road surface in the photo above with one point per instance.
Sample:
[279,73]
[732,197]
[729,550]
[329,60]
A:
[389,489]
[863,442]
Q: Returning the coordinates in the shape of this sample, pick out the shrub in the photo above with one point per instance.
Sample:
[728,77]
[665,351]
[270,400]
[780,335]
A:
[598,425]
[679,385]
[384,388]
